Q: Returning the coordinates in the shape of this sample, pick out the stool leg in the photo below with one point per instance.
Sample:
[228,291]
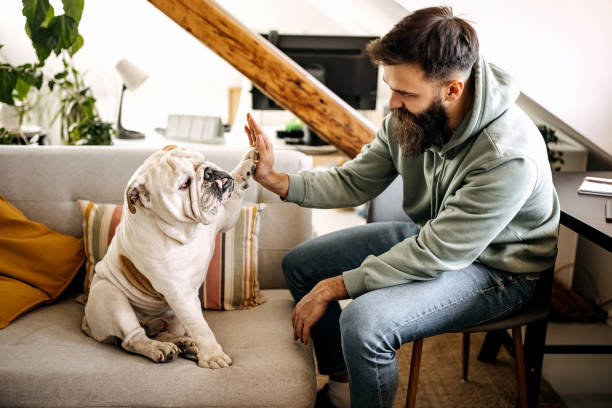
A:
[415,365]
[519,365]
[466,355]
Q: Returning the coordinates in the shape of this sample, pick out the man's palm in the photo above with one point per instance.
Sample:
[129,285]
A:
[258,139]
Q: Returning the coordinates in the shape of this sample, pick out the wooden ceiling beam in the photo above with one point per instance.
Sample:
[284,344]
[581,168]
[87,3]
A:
[275,74]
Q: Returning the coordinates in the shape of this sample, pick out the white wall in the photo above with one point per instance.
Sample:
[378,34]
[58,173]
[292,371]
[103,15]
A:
[557,49]
[184,75]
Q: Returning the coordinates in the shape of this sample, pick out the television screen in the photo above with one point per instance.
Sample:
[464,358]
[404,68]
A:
[339,62]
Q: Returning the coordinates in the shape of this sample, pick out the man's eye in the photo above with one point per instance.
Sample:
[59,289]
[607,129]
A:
[186,184]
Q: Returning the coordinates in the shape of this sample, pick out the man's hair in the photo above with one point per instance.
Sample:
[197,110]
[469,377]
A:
[440,43]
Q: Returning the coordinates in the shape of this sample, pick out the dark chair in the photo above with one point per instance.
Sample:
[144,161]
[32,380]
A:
[527,358]
[536,312]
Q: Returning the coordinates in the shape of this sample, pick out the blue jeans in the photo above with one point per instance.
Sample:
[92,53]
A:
[363,338]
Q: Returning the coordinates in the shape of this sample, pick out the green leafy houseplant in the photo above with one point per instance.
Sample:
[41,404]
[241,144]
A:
[554,156]
[5,136]
[16,84]
[79,119]
[58,34]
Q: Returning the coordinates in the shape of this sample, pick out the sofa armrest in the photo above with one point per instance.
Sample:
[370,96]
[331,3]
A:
[387,206]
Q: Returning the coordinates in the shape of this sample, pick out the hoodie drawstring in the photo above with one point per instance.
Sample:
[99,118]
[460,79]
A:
[437,175]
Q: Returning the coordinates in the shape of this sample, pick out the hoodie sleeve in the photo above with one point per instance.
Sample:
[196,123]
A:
[355,182]
[489,199]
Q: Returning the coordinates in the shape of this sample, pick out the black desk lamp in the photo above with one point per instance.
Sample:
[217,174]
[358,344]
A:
[132,77]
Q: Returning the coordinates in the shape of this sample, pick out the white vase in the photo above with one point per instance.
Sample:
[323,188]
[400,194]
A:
[9,119]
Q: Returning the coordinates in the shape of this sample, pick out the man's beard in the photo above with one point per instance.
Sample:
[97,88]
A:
[416,133]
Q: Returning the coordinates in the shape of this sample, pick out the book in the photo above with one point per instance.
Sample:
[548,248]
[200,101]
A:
[596,186]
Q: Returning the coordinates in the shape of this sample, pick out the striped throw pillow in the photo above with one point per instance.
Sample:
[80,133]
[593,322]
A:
[231,281]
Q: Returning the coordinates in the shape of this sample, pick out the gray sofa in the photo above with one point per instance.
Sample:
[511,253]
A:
[45,359]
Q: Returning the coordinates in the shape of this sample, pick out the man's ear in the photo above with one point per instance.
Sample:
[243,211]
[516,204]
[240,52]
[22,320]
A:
[136,194]
[453,89]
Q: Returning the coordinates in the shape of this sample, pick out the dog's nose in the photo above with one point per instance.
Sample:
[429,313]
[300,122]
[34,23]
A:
[209,173]
[223,184]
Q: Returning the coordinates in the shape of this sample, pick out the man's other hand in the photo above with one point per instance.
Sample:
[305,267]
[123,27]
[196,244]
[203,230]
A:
[311,307]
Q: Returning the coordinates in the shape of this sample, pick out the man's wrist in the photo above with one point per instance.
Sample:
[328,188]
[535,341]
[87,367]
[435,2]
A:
[277,183]
[334,289]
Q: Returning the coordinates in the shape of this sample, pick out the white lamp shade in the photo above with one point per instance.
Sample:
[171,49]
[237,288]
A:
[131,75]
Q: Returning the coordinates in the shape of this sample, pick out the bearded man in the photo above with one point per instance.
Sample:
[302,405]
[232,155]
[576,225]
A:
[476,184]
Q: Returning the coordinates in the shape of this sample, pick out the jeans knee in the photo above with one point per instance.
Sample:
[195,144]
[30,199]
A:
[354,328]
[362,330]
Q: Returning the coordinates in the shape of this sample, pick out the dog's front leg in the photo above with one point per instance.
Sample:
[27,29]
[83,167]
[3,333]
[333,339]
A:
[241,175]
[188,310]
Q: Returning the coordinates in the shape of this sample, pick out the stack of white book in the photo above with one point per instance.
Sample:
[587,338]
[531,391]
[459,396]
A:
[596,186]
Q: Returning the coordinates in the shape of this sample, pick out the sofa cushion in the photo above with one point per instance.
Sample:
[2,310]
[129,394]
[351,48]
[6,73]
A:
[231,280]
[48,361]
[36,263]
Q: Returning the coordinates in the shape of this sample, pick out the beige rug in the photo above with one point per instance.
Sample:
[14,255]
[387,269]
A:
[441,385]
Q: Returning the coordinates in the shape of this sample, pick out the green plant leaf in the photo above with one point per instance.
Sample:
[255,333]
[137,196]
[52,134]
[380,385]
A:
[8,80]
[62,33]
[21,89]
[74,9]
[30,75]
[35,12]
[40,41]
[76,45]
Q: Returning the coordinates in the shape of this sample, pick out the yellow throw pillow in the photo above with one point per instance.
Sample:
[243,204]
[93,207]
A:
[36,263]
[231,281]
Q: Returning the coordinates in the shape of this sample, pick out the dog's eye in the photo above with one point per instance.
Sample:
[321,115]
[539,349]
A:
[185,185]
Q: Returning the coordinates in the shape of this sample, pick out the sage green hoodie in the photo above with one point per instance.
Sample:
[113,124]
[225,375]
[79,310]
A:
[485,196]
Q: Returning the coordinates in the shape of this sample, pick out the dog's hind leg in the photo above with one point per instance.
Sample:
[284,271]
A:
[108,314]
[175,333]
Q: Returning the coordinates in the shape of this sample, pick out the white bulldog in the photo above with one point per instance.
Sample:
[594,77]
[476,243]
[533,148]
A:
[145,290]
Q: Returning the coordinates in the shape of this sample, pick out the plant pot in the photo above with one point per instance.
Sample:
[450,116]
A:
[33,134]
[9,119]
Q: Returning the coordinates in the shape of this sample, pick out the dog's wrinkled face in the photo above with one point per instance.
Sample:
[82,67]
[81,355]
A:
[179,185]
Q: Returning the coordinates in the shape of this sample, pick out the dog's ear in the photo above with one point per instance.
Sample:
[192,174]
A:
[136,194]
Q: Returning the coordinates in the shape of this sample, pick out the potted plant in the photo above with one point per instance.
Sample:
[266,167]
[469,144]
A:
[79,120]
[554,156]
[17,84]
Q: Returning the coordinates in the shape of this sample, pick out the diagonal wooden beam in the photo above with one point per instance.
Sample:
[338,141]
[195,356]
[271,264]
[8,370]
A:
[279,77]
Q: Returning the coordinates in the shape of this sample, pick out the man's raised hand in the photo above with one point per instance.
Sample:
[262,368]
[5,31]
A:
[259,140]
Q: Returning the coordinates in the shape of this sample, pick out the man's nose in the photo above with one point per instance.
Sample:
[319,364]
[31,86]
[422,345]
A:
[395,101]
